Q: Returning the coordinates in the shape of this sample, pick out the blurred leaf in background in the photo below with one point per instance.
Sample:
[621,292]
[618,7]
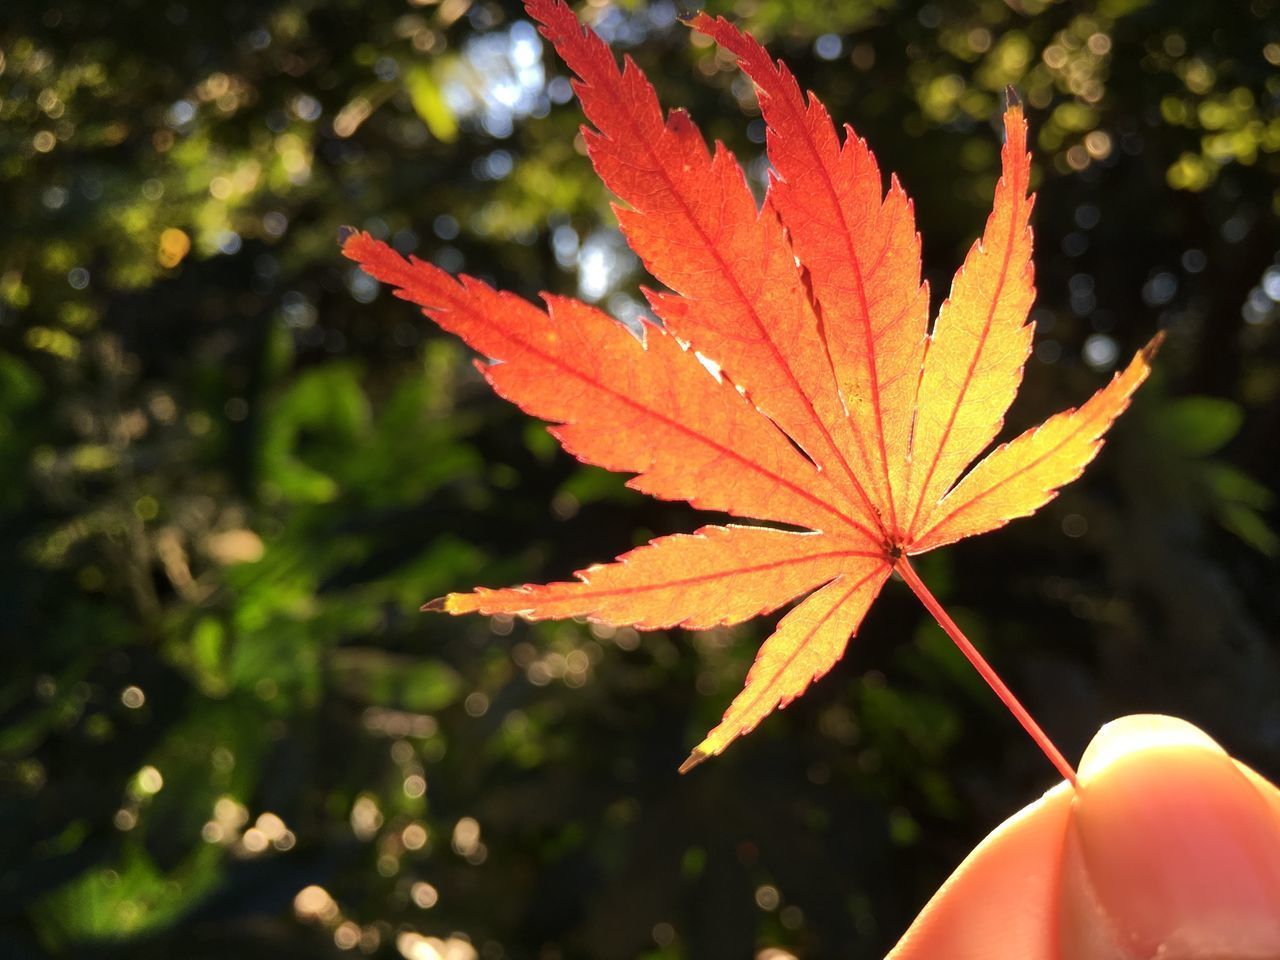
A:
[231,469]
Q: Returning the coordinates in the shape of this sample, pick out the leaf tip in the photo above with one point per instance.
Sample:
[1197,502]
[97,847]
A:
[693,760]
[438,605]
[1012,101]
[685,15]
[1153,347]
[345,233]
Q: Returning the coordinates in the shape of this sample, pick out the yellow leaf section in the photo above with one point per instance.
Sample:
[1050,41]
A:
[973,364]
[714,577]
[1019,477]
[808,642]
[1002,901]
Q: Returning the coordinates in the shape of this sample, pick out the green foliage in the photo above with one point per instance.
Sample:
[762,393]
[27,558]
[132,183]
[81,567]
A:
[231,470]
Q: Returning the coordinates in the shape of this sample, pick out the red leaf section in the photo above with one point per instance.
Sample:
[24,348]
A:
[835,412]
[690,216]
[862,253]
[648,407]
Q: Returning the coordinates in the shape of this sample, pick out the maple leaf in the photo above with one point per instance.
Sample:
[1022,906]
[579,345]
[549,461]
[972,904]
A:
[835,408]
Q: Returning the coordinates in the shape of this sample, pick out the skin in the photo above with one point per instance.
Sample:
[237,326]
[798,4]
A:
[1167,848]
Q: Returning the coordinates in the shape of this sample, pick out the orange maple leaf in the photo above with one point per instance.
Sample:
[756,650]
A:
[835,409]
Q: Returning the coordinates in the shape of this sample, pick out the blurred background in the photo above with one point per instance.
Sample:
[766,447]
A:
[231,468]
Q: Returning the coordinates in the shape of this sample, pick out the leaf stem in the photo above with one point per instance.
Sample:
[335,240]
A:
[985,669]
